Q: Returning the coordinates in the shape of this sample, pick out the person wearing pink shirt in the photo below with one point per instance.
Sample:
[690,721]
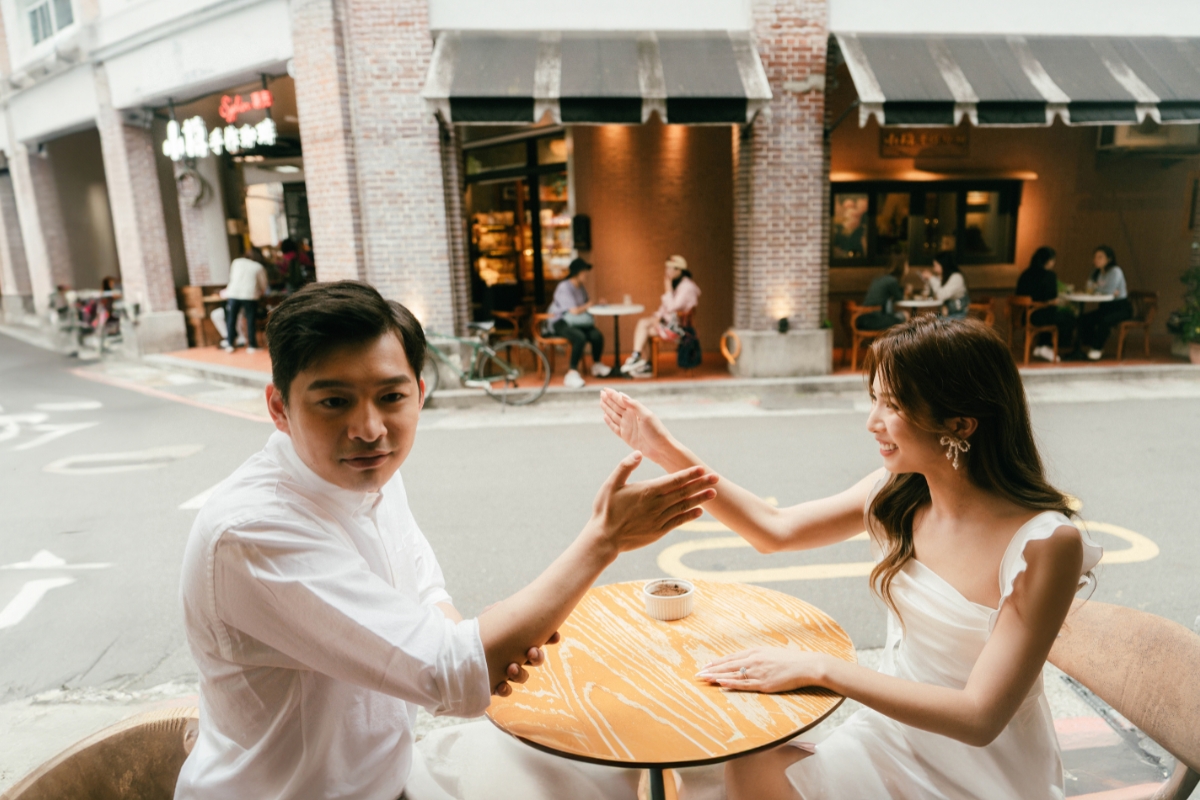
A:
[681,296]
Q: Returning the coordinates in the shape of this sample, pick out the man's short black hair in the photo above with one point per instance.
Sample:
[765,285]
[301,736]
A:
[324,316]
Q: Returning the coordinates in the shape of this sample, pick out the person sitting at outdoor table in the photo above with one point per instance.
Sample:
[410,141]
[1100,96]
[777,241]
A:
[681,295]
[976,558]
[885,291]
[569,318]
[314,606]
[1039,283]
[247,283]
[946,282]
[1107,278]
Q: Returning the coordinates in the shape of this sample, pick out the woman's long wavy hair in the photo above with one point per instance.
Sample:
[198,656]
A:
[937,369]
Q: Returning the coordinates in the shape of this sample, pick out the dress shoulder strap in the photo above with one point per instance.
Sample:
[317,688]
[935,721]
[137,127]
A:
[1040,527]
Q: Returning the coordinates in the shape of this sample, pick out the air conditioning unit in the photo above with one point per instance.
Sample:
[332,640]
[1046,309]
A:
[1150,137]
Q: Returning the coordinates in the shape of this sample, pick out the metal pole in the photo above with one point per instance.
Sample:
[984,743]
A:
[657,790]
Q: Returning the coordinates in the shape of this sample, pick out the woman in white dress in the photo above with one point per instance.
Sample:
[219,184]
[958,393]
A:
[977,561]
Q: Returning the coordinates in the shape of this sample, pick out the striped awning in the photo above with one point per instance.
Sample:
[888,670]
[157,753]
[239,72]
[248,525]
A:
[581,78]
[1023,80]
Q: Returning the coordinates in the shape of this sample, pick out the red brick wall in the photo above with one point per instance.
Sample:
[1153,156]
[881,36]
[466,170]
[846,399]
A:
[372,150]
[135,201]
[781,175]
[12,245]
[653,191]
[49,212]
[323,106]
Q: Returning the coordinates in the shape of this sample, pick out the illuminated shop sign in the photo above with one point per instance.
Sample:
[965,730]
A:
[192,139]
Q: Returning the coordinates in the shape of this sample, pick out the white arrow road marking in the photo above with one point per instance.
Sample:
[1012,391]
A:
[76,405]
[199,500]
[52,432]
[10,424]
[44,559]
[122,462]
[29,596]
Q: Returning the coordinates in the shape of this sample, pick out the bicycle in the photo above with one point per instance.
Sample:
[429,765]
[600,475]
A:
[514,372]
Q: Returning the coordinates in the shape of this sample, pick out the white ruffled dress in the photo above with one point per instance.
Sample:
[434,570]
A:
[873,756]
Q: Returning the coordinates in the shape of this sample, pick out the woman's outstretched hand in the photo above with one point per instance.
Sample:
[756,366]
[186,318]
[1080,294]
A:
[767,669]
[638,427]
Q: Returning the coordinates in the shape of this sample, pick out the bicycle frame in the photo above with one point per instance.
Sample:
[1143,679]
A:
[481,348]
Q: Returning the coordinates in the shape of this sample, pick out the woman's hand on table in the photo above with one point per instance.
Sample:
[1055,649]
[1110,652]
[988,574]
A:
[638,427]
[767,669]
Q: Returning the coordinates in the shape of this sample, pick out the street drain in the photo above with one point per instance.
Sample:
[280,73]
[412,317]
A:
[122,462]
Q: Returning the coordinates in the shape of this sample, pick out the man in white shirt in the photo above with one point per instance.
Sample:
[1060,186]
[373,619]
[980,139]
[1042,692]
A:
[315,608]
[247,283]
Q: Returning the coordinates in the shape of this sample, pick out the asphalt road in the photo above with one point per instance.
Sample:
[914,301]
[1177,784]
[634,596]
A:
[498,503]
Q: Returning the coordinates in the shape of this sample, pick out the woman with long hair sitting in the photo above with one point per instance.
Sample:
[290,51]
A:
[977,561]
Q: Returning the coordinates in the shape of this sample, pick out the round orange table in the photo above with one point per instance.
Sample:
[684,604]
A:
[621,689]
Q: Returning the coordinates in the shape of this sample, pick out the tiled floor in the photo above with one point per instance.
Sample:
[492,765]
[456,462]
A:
[714,366]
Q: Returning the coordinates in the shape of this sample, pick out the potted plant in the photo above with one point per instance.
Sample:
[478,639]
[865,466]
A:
[1188,318]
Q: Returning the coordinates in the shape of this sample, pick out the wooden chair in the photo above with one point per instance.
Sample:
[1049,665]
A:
[1144,667]
[138,757]
[1145,304]
[509,324]
[851,311]
[982,312]
[550,344]
[687,318]
[191,300]
[1020,309]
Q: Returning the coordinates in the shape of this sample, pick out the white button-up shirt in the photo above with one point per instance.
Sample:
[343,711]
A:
[310,612]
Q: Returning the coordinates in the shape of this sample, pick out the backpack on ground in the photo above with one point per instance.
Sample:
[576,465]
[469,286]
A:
[687,351]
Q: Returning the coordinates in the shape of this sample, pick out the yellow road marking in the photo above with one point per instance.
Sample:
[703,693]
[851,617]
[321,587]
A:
[670,560]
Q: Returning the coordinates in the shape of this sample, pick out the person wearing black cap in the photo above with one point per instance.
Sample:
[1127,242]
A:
[570,319]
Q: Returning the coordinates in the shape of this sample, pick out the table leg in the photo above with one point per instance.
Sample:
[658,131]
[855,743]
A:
[617,345]
[658,791]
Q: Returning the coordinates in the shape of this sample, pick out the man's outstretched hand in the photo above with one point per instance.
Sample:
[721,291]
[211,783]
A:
[626,516]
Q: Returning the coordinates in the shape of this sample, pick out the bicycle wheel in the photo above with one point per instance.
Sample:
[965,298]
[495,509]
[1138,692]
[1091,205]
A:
[517,374]
[430,372]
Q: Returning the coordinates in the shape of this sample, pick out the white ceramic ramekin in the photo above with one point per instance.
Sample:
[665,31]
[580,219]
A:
[667,608]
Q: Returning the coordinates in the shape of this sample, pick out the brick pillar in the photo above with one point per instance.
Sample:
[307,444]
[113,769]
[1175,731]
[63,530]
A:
[372,151]
[780,197]
[14,270]
[138,224]
[456,235]
[41,221]
[202,222]
[330,169]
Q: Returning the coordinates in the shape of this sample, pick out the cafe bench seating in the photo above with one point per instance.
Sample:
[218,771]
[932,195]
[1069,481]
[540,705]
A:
[1020,309]
[686,319]
[1143,666]
[851,311]
[139,757]
[1145,304]
[550,344]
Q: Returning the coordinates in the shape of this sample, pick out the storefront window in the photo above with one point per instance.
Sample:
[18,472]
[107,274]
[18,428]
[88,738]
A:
[520,228]
[504,156]
[977,220]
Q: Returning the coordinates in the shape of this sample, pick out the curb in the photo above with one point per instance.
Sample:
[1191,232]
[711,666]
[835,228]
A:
[216,372]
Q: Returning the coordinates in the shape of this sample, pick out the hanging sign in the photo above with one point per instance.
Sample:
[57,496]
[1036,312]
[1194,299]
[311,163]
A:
[234,107]
[192,139]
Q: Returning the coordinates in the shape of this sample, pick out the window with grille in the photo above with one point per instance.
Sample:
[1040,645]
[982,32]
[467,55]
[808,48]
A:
[47,17]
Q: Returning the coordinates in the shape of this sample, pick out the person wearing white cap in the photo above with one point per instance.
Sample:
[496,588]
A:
[681,296]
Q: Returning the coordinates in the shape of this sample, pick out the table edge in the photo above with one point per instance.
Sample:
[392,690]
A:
[669,764]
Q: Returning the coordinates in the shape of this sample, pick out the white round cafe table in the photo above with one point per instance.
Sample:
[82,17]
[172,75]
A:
[1082,298]
[920,306]
[616,311]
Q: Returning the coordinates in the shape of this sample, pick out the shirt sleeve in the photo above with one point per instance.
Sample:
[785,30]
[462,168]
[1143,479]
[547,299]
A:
[299,591]
[431,583]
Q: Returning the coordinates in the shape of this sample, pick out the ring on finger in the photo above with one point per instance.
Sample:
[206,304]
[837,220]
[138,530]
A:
[742,673]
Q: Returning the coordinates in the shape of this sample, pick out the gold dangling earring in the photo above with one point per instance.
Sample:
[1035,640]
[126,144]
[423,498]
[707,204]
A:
[954,447]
